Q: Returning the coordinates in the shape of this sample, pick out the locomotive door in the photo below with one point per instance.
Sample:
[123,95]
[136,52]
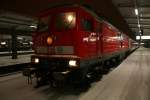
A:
[98,31]
[90,37]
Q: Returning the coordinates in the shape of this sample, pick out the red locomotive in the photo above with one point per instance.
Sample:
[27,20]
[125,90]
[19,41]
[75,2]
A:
[71,40]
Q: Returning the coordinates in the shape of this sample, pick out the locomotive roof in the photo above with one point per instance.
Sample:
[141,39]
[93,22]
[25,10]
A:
[89,10]
[98,17]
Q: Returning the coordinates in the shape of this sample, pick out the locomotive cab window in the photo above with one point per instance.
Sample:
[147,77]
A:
[65,21]
[87,25]
[43,24]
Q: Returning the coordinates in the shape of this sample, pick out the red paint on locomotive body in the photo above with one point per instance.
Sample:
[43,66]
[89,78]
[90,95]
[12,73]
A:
[85,43]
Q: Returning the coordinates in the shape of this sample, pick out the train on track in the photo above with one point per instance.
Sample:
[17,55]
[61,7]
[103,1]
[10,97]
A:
[72,42]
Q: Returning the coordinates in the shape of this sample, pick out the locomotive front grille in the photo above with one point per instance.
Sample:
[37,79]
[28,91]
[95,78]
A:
[54,50]
[54,64]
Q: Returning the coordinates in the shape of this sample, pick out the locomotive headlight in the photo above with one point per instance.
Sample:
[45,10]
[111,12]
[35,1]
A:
[49,40]
[72,63]
[70,18]
[36,60]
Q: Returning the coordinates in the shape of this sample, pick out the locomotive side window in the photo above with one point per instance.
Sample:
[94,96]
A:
[65,21]
[87,25]
[43,24]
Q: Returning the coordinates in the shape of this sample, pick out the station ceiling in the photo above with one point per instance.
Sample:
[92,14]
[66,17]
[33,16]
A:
[20,14]
[127,10]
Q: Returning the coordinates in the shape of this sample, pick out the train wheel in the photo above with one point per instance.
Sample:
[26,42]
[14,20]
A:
[114,62]
[107,64]
[56,83]
[93,74]
[105,67]
[53,84]
[97,73]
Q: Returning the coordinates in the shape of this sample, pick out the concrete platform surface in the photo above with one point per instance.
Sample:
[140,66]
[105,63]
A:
[129,81]
[7,52]
[7,60]
[15,87]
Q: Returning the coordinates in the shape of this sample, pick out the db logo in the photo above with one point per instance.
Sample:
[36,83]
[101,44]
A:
[91,38]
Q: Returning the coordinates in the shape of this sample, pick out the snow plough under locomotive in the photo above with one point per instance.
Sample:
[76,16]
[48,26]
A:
[72,41]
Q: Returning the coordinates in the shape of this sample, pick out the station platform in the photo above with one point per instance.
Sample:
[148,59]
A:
[8,61]
[8,53]
[129,81]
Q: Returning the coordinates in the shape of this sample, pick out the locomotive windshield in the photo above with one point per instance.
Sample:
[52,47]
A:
[65,21]
[43,24]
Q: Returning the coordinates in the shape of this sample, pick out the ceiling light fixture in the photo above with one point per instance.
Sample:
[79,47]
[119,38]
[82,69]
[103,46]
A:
[142,37]
[33,26]
[136,11]
[139,25]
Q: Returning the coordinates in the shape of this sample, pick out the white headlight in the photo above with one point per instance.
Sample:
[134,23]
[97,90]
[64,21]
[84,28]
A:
[36,60]
[72,63]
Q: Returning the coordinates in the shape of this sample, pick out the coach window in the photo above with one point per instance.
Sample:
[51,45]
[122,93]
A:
[87,25]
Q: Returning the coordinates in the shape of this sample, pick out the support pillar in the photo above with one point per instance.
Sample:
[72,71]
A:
[14,45]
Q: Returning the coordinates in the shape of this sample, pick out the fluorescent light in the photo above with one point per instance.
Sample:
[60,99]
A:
[136,11]
[139,25]
[33,26]
[19,38]
[142,37]
[141,19]
[3,43]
